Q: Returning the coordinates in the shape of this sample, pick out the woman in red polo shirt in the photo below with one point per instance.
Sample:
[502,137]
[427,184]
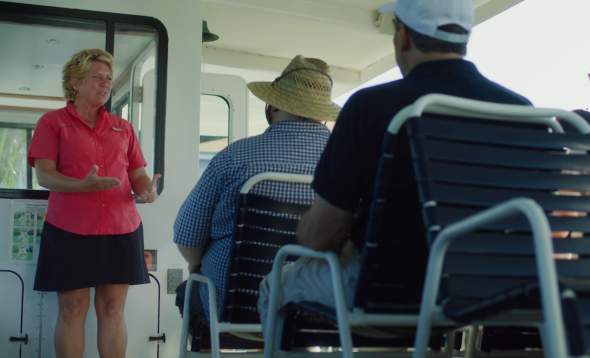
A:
[92,164]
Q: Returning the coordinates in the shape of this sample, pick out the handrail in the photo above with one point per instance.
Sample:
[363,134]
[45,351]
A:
[24,338]
[158,337]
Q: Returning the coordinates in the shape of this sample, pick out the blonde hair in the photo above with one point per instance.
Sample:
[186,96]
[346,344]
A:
[79,65]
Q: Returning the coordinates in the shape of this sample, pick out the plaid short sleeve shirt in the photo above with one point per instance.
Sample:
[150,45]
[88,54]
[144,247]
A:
[206,218]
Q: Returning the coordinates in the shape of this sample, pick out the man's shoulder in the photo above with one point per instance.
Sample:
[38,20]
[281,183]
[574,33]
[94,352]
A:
[382,99]
[238,151]
[379,91]
[502,94]
[244,144]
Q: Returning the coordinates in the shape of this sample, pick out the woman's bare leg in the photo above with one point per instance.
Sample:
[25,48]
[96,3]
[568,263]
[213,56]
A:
[109,301]
[71,318]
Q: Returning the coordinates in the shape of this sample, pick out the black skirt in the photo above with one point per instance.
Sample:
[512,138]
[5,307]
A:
[70,261]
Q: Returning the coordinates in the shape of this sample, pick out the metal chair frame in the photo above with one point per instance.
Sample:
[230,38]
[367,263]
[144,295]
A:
[216,326]
[551,326]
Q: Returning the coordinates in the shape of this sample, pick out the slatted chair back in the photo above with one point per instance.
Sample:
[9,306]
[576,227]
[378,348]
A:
[437,170]
[466,168]
[263,225]
[394,256]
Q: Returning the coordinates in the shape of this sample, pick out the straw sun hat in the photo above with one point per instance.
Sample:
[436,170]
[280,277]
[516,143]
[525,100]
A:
[303,89]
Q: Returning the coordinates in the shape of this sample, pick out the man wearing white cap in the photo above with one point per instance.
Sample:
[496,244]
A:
[430,41]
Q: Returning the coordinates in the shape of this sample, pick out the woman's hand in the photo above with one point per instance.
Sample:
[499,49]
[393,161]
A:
[151,194]
[92,182]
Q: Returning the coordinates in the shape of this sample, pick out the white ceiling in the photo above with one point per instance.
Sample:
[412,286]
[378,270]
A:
[257,40]
[263,35]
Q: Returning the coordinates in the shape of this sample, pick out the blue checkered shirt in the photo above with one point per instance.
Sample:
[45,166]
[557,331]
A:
[206,218]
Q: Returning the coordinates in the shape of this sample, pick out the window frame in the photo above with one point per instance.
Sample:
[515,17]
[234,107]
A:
[230,120]
[56,16]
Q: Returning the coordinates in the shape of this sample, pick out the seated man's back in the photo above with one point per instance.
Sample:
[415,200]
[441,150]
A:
[292,144]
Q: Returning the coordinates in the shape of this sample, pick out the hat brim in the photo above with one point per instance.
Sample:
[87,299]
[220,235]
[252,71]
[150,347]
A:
[289,102]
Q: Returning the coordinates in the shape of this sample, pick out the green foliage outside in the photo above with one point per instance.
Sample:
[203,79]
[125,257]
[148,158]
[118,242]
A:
[13,155]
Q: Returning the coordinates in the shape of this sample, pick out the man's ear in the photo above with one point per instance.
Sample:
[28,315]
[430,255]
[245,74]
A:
[404,36]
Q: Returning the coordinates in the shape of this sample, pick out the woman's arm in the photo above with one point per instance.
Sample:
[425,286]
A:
[50,178]
[145,189]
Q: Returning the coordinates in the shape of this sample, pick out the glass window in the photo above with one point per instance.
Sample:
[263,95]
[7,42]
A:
[121,107]
[41,40]
[16,129]
[214,124]
[13,153]
[32,67]
[31,84]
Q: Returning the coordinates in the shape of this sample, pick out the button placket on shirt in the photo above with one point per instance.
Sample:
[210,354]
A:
[101,172]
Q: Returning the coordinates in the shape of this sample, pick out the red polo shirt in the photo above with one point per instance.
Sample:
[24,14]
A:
[63,137]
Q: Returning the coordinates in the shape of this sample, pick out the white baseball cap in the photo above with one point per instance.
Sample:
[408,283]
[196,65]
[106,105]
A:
[427,16]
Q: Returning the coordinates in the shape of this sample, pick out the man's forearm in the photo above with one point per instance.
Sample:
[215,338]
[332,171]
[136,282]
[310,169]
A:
[324,227]
[308,234]
[192,255]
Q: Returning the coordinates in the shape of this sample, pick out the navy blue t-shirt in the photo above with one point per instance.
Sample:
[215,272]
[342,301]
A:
[346,171]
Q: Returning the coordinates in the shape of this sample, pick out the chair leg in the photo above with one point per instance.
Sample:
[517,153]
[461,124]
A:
[345,342]
[214,331]
[470,335]
[549,343]
[275,332]
[449,344]
[185,319]
[213,318]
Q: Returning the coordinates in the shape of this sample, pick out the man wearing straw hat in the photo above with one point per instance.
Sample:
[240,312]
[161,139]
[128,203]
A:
[297,102]
[430,42]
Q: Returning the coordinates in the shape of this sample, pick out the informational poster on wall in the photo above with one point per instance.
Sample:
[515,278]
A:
[26,225]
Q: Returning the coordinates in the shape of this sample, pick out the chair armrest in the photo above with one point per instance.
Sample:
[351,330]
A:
[213,319]
[212,294]
[275,278]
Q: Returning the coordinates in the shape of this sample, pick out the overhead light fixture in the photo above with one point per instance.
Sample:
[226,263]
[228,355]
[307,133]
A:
[208,36]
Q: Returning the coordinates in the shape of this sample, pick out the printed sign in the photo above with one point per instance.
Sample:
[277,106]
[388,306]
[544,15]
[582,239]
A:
[26,226]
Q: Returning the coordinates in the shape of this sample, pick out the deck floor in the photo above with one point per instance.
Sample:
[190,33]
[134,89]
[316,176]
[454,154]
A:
[371,354]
